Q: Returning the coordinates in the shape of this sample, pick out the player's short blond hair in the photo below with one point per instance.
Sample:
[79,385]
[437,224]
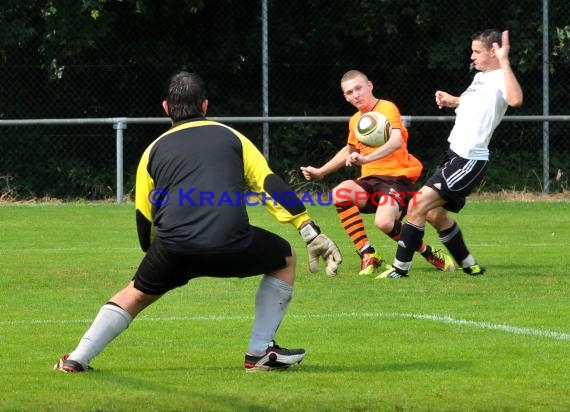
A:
[351,74]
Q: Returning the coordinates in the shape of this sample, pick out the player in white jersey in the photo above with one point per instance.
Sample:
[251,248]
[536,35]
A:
[479,111]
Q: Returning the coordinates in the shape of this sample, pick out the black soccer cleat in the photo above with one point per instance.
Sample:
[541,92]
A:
[275,357]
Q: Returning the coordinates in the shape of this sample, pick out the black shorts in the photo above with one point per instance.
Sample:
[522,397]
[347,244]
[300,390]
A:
[162,270]
[455,179]
[399,189]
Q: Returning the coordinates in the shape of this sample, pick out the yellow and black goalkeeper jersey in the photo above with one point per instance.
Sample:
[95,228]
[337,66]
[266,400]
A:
[193,186]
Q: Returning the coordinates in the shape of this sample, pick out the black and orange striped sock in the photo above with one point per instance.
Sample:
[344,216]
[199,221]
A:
[353,225]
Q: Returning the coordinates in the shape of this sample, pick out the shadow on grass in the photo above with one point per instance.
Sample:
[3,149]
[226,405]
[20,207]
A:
[377,366]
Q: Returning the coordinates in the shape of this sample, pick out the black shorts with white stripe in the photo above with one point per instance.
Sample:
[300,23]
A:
[455,179]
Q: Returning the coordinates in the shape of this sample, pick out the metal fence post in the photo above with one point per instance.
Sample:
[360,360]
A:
[119,124]
[265,75]
[545,99]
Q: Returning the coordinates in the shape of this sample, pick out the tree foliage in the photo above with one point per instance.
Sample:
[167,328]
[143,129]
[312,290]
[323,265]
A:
[108,58]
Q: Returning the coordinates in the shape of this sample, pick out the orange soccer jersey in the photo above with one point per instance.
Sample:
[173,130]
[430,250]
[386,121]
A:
[398,163]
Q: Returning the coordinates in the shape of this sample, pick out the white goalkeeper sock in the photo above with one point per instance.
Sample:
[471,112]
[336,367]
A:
[271,302]
[108,324]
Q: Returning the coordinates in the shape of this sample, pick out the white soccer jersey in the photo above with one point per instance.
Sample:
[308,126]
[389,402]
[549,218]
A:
[481,108]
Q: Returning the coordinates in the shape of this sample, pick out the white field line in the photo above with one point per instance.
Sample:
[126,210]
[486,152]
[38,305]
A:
[342,315]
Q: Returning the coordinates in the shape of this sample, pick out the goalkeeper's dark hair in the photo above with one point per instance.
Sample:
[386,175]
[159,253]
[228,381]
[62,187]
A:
[186,93]
[488,37]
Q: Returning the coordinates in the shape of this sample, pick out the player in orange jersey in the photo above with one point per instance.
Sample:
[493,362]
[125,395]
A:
[387,181]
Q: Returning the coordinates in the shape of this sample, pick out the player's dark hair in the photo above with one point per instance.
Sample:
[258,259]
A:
[186,93]
[488,37]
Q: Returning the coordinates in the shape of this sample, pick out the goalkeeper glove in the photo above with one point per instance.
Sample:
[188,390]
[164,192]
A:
[320,245]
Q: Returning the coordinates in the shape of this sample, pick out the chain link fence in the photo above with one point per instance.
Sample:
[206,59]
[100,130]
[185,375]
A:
[408,48]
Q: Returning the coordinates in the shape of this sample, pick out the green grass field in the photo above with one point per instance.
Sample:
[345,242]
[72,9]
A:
[432,342]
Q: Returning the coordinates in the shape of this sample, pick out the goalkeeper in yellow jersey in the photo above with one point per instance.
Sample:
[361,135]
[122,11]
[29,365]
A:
[192,188]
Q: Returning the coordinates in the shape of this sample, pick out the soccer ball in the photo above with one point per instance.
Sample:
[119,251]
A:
[373,129]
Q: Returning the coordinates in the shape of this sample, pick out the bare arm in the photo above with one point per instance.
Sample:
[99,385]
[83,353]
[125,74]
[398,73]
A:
[337,161]
[393,144]
[514,91]
[443,99]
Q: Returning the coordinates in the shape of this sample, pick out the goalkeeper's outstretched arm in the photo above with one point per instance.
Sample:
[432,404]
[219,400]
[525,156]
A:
[286,207]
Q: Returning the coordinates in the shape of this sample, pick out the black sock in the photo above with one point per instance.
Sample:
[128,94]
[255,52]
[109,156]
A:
[452,238]
[396,230]
[410,240]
